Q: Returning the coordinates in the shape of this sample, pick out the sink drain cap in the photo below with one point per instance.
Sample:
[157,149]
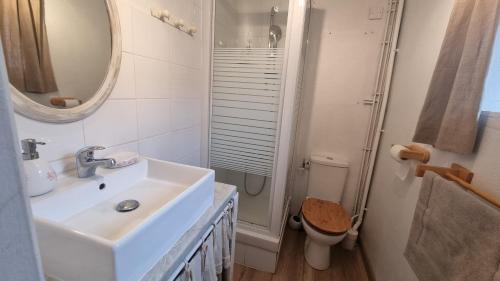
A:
[127,206]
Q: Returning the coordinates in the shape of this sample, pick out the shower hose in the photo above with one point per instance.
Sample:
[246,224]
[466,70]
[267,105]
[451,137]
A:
[258,192]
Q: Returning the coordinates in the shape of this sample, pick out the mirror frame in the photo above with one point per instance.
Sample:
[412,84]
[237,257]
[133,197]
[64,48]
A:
[33,110]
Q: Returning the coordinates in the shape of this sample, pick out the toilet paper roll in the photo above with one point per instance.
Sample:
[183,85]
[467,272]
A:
[395,149]
[404,168]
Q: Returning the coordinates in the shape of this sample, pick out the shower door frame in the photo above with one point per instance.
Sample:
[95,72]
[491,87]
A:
[278,204]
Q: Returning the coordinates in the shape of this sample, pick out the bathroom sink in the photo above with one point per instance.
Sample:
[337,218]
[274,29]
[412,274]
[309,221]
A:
[83,237]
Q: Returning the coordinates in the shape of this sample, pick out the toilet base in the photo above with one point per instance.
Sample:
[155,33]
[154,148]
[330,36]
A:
[317,255]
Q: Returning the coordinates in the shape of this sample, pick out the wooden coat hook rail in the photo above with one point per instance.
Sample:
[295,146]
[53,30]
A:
[461,175]
[415,152]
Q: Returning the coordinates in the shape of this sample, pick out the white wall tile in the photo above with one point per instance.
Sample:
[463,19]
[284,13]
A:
[152,78]
[125,84]
[125,12]
[63,140]
[159,147]
[151,36]
[186,143]
[153,117]
[114,123]
[194,159]
[180,50]
[185,82]
[185,113]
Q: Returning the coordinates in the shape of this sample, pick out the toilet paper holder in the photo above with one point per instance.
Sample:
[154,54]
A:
[415,152]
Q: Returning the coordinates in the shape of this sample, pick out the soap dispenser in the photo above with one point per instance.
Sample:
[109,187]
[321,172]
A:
[40,177]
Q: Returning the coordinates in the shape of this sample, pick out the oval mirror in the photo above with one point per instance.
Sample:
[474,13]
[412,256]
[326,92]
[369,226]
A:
[62,56]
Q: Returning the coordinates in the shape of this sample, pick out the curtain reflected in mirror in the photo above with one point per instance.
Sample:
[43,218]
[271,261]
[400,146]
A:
[26,48]
[57,52]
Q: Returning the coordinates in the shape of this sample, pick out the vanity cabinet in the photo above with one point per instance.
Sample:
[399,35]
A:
[206,251]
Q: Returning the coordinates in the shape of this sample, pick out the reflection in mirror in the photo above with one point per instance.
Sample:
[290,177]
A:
[57,52]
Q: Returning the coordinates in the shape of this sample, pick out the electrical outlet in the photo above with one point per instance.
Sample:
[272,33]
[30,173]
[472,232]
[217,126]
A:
[376,13]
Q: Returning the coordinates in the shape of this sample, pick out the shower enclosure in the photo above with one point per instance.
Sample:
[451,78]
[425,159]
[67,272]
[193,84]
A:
[257,59]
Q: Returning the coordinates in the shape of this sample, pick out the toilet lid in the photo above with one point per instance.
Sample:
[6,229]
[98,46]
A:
[326,216]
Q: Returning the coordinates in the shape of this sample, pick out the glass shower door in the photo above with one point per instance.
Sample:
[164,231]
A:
[246,95]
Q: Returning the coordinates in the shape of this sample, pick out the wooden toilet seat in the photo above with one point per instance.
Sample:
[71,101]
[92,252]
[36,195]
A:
[326,216]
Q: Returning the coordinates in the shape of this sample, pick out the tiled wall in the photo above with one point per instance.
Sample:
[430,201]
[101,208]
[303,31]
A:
[226,25]
[157,105]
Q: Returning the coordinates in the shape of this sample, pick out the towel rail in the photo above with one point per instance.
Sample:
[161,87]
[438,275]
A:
[460,175]
[190,255]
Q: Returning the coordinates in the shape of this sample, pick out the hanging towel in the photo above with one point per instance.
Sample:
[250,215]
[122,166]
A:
[195,267]
[192,270]
[223,236]
[226,245]
[455,235]
[218,242]
[208,259]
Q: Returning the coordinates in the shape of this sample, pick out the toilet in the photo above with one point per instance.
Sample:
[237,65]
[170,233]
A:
[325,221]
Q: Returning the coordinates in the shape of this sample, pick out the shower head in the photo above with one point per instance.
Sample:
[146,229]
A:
[274,36]
[275,10]
[274,30]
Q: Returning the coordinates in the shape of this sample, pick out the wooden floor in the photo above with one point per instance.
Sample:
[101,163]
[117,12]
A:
[346,265]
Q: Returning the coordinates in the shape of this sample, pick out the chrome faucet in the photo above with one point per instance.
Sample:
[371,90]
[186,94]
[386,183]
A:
[86,164]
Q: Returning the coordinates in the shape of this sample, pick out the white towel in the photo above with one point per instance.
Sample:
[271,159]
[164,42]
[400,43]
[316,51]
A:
[218,242]
[226,241]
[195,267]
[223,232]
[208,259]
[192,270]
[454,235]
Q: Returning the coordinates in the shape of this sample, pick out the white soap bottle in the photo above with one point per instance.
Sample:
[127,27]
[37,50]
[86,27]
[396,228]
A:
[40,177]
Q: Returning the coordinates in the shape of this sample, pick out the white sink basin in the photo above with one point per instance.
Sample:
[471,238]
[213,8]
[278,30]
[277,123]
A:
[83,237]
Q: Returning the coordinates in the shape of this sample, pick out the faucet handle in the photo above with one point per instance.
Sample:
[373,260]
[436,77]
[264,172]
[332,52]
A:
[88,152]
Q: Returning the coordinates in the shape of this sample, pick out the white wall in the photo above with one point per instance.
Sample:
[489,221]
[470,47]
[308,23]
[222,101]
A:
[392,202]
[341,65]
[159,103]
